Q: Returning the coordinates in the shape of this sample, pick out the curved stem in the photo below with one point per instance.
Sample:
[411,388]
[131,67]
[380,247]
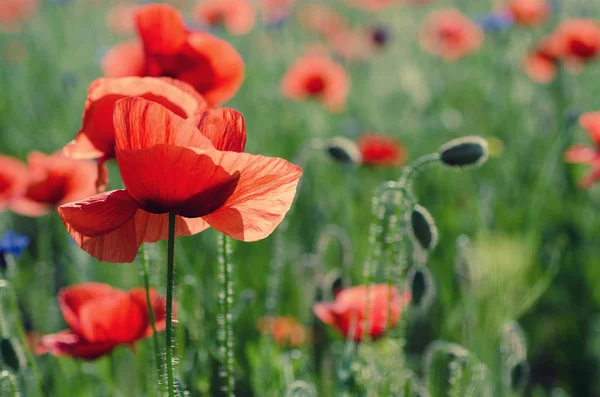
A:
[156,345]
[170,286]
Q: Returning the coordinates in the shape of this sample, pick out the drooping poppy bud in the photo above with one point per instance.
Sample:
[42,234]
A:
[469,151]
[343,150]
[423,228]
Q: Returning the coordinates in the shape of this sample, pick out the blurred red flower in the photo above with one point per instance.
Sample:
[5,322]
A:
[349,310]
[316,75]
[577,40]
[100,318]
[53,180]
[96,139]
[12,12]
[529,12]
[449,34]
[286,331]
[541,64]
[121,18]
[207,63]
[322,19]
[12,180]
[169,165]
[582,154]
[237,16]
[381,150]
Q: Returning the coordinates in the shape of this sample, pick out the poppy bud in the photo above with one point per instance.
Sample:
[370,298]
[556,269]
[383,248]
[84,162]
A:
[464,152]
[11,354]
[343,150]
[380,36]
[423,228]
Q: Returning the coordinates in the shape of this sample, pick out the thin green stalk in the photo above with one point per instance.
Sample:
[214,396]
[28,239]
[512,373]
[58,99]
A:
[155,343]
[170,286]
[226,299]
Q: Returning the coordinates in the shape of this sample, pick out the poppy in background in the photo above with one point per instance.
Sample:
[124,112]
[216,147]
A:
[53,180]
[450,34]
[529,12]
[322,20]
[13,12]
[237,16]
[590,155]
[348,312]
[12,180]
[286,331]
[195,170]
[101,318]
[577,41]
[169,49]
[315,75]
[381,150]
[274,12]
[121,18]
[541,64]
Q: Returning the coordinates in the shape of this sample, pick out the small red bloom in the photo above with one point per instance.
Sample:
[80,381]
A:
[316,75]
[449,34]
[236,15]
[582,154]
[12,12]
[286,331]
[195,170]
[381,150]
[541,64]
[529,12]
[53,180]
[12,180]
[577,40]
[349,310]
[100,318]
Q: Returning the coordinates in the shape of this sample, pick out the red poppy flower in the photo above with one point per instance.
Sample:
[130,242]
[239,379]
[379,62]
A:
[529,12]
[14,11]
[541,65]
[124,59]
[100,318]
[381,150]
[121,18]
[53,180]
[316,75]
[449,34]
[286,331]
[582,154]
[169,165]
[349,310]
[12,180]
[236,15]
[577,40]
[322,19]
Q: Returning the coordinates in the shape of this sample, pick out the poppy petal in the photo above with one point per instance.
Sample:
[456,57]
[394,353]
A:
[140,124]
[124,59]
[166,178]
[591,123]
[67,343]
[263,195]
[161,28]
[580,154]
[151,228]
[71,299]
[158,307]
[324,311]
[225,128]
[12,180]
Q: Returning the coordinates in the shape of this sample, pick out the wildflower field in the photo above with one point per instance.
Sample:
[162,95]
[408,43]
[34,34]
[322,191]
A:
[300,198]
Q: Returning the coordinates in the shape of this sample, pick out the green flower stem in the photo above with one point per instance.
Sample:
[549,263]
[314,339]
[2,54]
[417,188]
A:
[170,286]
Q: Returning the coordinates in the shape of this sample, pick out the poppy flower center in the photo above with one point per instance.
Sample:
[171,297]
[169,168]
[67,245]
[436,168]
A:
[51,190]
[5,184]
[450,34]
[315,85]
[582,48]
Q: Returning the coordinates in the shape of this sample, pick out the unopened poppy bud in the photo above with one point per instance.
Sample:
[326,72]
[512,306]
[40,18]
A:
[343,150]
[469,151]
[12,355]
[423,228]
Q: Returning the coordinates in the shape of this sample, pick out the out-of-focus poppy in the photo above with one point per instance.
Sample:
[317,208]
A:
[349,310]
[577,40]
[169,49]
[274,12]
[449,34]
[124,59]
[237,16]
[53,180]
[12,180]
[323,20]
[121,18]
[169,165]
[351,45]
[316,75]
[12,12]
[381,150]
[582,154]
[374,5]
[101,318]
[286,331]
[529,12]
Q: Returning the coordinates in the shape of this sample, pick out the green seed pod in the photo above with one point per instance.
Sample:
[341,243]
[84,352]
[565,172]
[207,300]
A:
[343,150]
[12,355]
[423,228]
[468,151]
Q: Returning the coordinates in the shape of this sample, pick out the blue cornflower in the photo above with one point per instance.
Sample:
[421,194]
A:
[13,243]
